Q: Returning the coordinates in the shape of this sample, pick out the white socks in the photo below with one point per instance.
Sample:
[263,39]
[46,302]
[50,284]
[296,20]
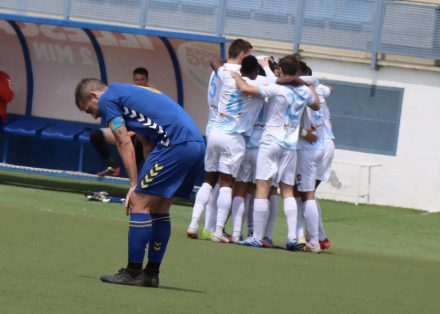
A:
[311,216]
[273,209]
[223,206]
[300,217]
[201,200]
[261,212]
[237,215]
[291,212]
[211,209]
[322,234]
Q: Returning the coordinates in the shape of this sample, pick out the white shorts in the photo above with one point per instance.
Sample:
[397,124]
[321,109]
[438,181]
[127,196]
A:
[275,161]
[208,129]
[248,166]
[224,152]
[308,161]
[325,166]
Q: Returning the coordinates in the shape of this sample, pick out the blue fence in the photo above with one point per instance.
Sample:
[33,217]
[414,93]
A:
[375,26]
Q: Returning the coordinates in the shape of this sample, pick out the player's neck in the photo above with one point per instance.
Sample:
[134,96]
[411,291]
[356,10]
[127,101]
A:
[233,61]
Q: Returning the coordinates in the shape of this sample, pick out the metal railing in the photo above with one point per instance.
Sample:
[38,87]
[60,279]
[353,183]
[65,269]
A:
[374,26]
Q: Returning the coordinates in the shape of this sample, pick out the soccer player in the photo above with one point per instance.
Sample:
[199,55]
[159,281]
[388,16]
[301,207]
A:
[310,160]
[324,167]
[103,137]
[227,146]
[203,198]
[277,152]
[170,170]
[6,95]
[309,156]
[244,188]
[237,51]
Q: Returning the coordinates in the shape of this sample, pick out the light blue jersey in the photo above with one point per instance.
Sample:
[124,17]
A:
[255,137]
[312,120]
[324,92]
[213,95]
[237,111]
[286,106]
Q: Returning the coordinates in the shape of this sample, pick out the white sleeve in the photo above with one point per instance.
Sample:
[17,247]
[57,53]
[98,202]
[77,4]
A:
[220,72]
[310,79]
[270,76]
[325,90]
[310,98]
[269,90]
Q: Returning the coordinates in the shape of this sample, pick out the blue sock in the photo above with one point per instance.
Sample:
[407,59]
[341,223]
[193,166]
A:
[159,238]
[139,234]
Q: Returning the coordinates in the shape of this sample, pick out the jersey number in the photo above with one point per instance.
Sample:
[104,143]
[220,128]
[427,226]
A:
[235,103]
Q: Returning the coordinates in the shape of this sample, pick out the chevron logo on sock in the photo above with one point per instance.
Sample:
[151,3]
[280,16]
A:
[147,122]
[157,246]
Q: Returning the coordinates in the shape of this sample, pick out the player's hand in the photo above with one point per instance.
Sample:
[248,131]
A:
[127,199]
[264,62]
[311,137]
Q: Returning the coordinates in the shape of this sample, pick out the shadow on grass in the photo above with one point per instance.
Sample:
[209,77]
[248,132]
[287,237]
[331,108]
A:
[179,289]
[138,286]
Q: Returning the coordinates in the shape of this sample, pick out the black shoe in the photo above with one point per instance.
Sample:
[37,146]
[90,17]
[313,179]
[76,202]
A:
[124,277]
[150,280]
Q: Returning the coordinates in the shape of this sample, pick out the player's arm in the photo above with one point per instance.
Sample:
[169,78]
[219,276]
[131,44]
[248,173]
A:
[126,151]
[326,90]
[264,63]
[216,63]
[292,80]
[245,87]
[314,105]
[308,135]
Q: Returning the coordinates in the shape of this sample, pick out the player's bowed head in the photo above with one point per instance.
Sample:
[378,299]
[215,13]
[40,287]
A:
[87,93]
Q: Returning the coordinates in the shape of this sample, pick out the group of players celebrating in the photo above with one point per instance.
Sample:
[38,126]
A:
[268,130]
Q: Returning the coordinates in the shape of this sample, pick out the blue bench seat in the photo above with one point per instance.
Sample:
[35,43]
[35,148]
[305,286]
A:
[62,132]
[29,127]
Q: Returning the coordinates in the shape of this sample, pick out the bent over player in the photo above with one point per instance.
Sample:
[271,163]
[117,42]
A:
[170,170]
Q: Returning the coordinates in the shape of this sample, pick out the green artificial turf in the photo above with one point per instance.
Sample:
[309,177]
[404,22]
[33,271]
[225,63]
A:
[54,246]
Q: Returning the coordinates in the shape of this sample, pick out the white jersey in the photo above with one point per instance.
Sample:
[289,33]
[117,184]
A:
[257,131]
[286,105]
[213,95]
[327,126]
[270,75]
[312,120]
[237,112]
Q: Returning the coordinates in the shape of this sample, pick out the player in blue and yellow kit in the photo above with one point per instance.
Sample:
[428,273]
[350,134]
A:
[170,170]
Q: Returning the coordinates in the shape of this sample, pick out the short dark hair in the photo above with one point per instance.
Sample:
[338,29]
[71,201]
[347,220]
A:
[249,67]
[302,68]
[289,65]
[85,86]
[238,46]
[140,71]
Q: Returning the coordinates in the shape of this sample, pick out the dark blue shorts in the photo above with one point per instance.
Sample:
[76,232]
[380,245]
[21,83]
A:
[172,171]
